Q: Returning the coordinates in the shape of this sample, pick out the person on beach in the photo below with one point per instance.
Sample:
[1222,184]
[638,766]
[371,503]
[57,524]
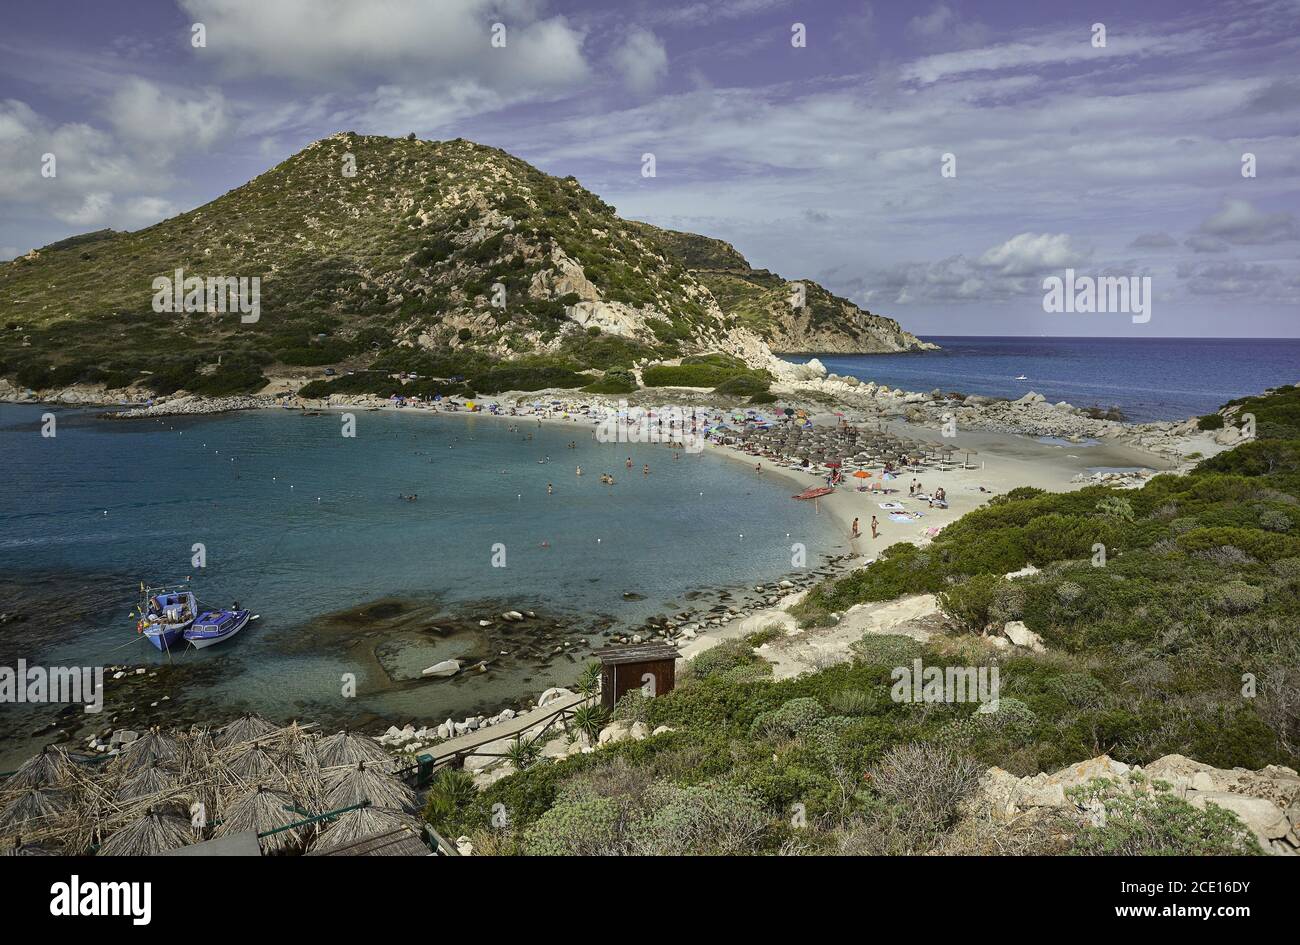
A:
[856,532]
[628,464]
[875,528]
[645,470]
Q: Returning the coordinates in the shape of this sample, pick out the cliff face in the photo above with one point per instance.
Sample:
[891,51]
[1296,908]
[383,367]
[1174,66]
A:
[768,304]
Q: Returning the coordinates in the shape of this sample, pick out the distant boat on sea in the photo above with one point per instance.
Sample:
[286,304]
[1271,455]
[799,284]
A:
[1021,377]
[165,614]
[215,626]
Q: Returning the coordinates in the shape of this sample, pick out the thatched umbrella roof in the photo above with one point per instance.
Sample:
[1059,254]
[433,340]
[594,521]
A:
[149,749]
[358,824]
[52,767]
[262,810]
[31,808]
[155,832]
[146,782]
[195,751]
[261,763]
[18,848]
[245,729]
[366,781]
[347,748]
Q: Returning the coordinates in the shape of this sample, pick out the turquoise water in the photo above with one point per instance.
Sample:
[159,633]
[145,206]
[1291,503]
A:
[299,522]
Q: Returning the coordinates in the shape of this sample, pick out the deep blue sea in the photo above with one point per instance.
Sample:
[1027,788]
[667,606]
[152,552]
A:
[1148,379]
[299,522]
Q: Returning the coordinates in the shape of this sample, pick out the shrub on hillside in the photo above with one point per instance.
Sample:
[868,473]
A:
[1156,824]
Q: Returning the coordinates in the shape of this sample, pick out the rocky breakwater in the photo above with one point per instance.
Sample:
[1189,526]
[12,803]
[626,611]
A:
[1267,801]
[191,404]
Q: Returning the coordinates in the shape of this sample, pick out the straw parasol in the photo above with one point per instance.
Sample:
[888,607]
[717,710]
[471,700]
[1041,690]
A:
[366,781]
[18,848]
[348,748]
[245,729]
[32,808]
[358,824]
[149,749]
[260,763]
[155,832]
[147,781]
[51,767]
[263,810]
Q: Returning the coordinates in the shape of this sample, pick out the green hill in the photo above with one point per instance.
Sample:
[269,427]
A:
[394,268]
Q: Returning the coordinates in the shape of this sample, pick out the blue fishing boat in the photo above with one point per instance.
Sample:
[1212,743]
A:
[213,626]
[165,614]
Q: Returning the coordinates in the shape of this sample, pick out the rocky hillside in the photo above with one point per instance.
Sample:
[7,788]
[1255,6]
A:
[762,301]
[380,255]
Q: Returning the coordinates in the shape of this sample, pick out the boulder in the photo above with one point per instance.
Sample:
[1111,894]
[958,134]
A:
[615,732]
[1261,816]
[443,669]
[551,695]
[1021,635]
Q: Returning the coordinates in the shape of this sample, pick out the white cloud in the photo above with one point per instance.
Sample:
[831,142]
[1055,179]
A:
[162,124]
[641,60]
[1028,253]
[411,42]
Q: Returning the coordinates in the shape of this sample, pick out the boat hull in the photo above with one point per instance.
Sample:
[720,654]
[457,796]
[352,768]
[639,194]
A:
[205,634]
[165,639]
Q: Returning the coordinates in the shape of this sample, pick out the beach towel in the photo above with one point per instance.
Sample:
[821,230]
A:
[896,517]
[891,506]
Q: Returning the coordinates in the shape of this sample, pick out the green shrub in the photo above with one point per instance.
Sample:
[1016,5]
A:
[1157,824]
[972,602]
[793,718]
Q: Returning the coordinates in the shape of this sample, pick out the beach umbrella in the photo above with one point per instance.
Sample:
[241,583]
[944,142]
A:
[146,782]
[348,748]
[261,763]
[18,848]
[32,808]
[149,749]
[245,729]
[51,767]
[862,474]
[362,823]
[156,832]
[366,781]
[261,811]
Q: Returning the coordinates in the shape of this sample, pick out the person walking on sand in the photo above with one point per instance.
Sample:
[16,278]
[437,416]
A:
[857,532]
[875,528]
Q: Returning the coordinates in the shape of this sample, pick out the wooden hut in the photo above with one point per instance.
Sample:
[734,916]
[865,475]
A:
[624,668]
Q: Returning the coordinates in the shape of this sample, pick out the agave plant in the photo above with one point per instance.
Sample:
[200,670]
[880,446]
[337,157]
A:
[589,682]
[523,754]
[588,720]
[451,791]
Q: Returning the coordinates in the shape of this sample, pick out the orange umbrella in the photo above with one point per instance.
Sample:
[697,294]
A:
[862,474]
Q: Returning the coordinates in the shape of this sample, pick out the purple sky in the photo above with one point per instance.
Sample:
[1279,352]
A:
[819,162]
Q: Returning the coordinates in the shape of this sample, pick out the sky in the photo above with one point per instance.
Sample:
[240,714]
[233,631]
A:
[934,162]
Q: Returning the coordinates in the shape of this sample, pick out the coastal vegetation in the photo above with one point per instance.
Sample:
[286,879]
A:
[1169,615]
[445,259]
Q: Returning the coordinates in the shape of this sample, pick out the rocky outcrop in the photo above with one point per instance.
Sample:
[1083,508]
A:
[1267,801]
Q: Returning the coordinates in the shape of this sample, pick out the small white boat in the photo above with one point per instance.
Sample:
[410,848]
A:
[1021,377]
[217,625]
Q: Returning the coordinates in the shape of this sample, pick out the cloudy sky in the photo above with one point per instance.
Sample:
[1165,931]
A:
[823,160]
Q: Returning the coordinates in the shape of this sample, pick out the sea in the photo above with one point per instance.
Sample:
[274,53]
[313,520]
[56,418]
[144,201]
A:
[308,528]
[1147,379]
